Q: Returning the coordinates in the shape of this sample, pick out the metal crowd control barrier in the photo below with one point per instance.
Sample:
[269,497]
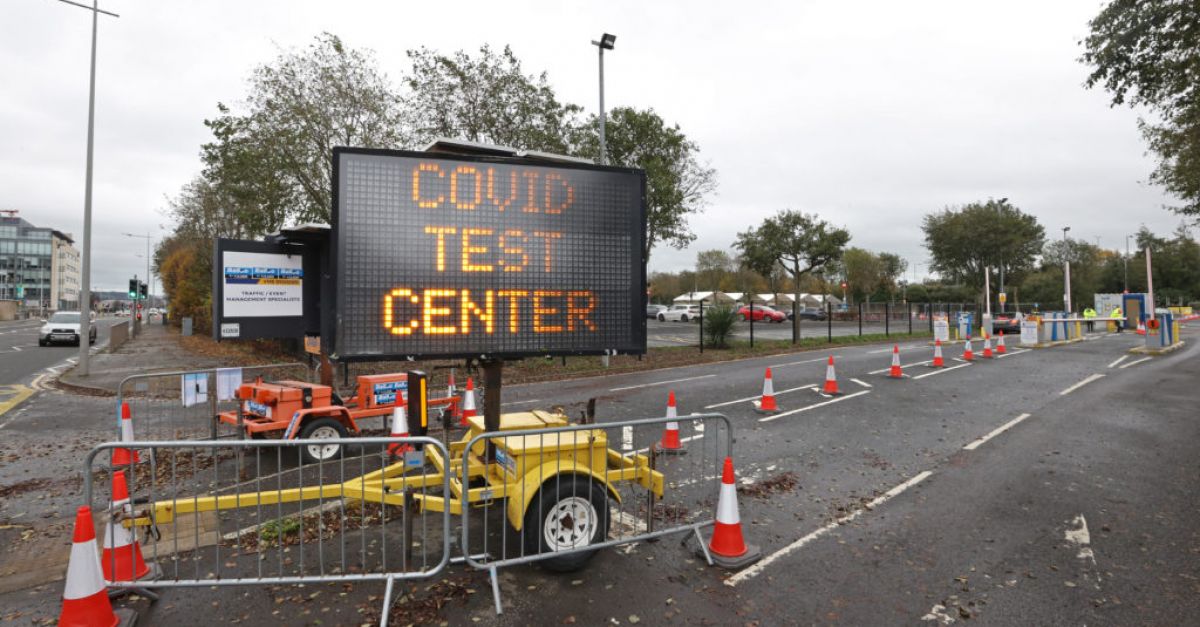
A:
[211,517]
[183,405]
[556,495]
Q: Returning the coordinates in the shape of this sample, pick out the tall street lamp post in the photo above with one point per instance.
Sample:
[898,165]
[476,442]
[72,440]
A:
[85,292]
[606,43]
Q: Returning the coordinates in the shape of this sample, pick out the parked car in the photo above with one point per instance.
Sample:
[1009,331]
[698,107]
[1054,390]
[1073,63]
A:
[761,313]
[680,313]
[809,313]
[652,311]
[1006,322]
[63,326]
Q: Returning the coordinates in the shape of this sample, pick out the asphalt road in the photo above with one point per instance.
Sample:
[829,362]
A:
[1051,486]
[21,358]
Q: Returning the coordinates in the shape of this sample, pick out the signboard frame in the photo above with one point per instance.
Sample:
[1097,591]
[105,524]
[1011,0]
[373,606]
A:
[338,344]
[256,327]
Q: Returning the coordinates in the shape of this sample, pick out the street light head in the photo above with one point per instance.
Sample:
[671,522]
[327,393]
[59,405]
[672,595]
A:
[1066,228]
[606,41]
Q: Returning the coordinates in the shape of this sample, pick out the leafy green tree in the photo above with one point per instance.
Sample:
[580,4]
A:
[486,98]
[1147,54]
[274,158]
[863,273]
[715,268]
[678,185]
[800,243]
[965,241]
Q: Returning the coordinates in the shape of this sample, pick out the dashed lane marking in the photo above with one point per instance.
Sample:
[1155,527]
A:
[813,406]
[1086,381]
[647,385]
[755,398]
[1136,362]
[756,569]
[995,432]
[917,363]
[1118,360]
[941,370]
[860,382]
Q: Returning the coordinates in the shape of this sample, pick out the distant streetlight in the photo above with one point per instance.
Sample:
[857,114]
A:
[1127,263]
[606,43]
[1066,269]
[85,295]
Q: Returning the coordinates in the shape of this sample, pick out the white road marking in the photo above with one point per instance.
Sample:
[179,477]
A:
[757,568]
[1083,383]
[1136,362]
[698,436]
[813,406]
[1078,535]
[917,363]
[647,385]
[941,370]
[1118,360]
[755,398]
[860,382]
[997,431]
[1015,351]
[536,400]
[797,363]
[626,438]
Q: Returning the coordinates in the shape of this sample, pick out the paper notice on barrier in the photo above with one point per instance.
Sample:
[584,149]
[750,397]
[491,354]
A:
[1029,333]
[195,389]
[228,381]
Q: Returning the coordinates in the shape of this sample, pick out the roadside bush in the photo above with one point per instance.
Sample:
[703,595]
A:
[718,325]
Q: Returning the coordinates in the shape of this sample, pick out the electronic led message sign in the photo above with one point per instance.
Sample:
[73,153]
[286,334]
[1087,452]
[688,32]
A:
[448,256]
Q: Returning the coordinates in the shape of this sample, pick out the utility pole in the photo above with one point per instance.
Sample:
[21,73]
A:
[1126,264]
[85,293]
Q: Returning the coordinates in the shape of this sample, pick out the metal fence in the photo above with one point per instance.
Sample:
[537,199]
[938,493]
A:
[184,405]
[569,491]
[216,513]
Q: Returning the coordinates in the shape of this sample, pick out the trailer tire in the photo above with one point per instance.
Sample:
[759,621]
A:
[322,428]
[553,520]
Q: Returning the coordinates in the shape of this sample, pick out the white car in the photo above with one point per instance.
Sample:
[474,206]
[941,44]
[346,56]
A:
[63,326]
[680,313]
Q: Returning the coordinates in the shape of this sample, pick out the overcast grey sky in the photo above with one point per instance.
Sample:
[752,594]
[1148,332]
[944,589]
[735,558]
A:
[870,114]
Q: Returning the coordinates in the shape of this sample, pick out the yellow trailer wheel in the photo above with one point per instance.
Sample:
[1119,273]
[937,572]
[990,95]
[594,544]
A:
[568,512]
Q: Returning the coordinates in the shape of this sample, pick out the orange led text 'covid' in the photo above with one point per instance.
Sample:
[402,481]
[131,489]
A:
[474,187]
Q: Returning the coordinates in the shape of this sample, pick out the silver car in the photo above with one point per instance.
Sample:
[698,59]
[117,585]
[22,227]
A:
[63,326]
[680,313]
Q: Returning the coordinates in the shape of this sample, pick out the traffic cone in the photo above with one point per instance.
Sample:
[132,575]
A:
[1000,350]
[399,430]
[937,355]
[767,404]
[831,387]
[727,546]
[468,410]
[670,443]
[896,372]
[1141,330]
[968,355]
[125,456]
[85,600]
[987,346]
[122,558]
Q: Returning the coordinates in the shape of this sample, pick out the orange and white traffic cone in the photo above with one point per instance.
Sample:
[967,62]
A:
[1000,350]
[831,386]
[399,430]
[896,372]
[468,410]
[767,404]
[968,354]
[938,362]
[670,443]
[125,456]
[85,600]
[122,557]
[987,346]
[728,547]
[1141,330]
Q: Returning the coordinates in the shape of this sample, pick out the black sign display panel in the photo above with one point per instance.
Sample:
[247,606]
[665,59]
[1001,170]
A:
[448,256]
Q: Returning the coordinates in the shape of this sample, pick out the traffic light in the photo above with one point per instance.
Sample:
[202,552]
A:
[142,291]
[133,289]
